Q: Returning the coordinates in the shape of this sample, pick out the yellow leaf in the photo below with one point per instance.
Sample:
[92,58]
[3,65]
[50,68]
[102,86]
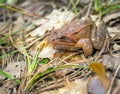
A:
[101,73]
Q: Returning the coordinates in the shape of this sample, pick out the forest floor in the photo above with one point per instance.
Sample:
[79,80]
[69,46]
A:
[60,47]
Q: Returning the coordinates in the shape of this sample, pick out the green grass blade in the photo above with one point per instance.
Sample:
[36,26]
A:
[5,74]
[7,54]
[75,9]
[44,61]
[28,59]
[106,6]
[3,40]
[14,9]
[33,66]
[40,75]
[96,4]
[110,8]
[2,1]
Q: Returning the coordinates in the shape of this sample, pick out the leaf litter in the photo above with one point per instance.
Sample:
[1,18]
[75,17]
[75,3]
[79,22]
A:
[66,72]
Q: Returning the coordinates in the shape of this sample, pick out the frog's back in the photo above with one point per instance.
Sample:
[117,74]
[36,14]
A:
[69,29]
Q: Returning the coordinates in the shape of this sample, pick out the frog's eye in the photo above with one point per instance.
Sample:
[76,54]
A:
[65,39]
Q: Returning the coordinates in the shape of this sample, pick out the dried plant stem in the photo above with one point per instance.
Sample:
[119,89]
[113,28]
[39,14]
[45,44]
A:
[110,88]
[90,5]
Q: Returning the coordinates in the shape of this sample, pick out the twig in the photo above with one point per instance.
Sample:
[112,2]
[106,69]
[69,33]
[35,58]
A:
[89,7]
[110,88]
[20,10]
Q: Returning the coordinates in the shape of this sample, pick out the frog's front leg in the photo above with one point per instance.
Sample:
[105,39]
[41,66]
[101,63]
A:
[86,46]
[106,45]
[100,37]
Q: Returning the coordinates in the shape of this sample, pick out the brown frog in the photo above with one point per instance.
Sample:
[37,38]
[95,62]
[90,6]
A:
[79,34]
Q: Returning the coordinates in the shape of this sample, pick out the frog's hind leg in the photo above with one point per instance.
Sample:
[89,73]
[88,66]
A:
[86,46]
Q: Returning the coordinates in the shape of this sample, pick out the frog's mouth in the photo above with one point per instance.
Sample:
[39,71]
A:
[56,42]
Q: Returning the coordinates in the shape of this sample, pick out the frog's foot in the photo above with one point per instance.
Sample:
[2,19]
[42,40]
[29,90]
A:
[106,47]
[86,46]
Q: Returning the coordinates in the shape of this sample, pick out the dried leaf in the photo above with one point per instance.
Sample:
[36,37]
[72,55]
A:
[116,46]
[95,86]
[47,52]
[55,20]
[112,62]
[76,87]
[101,73]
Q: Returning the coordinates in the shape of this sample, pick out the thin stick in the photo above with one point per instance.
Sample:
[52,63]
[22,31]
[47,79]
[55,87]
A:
[90,5]
[109,90]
